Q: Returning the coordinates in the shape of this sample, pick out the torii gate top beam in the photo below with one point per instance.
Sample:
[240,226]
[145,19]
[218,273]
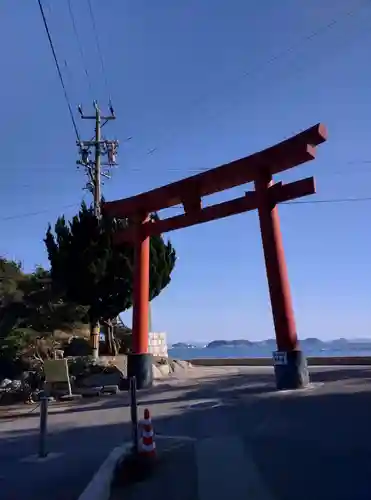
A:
[283,156]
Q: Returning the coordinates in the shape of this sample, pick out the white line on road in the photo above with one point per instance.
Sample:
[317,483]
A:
[180,438]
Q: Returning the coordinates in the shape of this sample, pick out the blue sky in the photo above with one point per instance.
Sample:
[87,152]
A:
[202,82]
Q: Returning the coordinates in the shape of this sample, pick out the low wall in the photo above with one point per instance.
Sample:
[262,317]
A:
[157,344]
[312,361]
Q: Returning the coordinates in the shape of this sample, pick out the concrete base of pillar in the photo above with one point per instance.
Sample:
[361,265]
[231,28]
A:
[140,367]
[291,370]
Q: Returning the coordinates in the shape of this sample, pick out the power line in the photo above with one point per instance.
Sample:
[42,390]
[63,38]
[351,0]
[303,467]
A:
[310,202]
[333,200]
[74,26]
[34,214]
[306,202]
[311,36]
[288,50]
[319,173]
[58,69]
[100,54]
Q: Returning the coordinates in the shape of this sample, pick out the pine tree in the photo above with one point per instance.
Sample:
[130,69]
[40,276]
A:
[89,270]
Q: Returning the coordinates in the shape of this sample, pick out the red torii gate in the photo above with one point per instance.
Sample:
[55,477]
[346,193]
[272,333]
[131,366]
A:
[289,362]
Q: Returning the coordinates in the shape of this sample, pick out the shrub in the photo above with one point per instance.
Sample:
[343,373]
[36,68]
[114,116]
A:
[77,346]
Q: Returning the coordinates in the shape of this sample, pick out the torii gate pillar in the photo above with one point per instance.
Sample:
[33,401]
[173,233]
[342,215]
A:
[140,361]
[290,364]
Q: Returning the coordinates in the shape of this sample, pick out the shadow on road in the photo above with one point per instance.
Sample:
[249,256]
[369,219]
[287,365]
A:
[227,387]
[314,442]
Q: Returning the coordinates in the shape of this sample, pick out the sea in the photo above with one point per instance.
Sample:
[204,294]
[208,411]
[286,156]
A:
[266,352]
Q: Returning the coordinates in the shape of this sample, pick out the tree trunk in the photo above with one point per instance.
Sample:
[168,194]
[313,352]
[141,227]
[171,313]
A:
[94,337]
[111,339]
[111,347]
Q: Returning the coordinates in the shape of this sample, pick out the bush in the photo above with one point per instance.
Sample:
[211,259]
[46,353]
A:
[77,347]
[9,367]
[84,366]
[80,366]
[12,348]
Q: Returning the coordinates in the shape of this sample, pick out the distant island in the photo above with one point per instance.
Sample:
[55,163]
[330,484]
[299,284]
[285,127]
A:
[182,345]
[229,343]
[310,342]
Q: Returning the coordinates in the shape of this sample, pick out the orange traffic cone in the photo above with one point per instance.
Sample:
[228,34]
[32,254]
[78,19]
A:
[147,445]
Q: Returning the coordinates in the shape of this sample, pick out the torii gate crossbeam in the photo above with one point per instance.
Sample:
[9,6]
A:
[289,362]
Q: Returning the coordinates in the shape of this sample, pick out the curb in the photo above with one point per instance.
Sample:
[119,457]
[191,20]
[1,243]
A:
[315,361]
[99,487]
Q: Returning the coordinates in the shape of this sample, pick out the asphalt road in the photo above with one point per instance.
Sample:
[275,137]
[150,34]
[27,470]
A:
[248,438]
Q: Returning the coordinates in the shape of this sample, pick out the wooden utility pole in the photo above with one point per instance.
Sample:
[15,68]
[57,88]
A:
[95,170]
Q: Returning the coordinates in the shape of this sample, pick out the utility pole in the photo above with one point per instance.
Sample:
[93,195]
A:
[95,170]
[102,147]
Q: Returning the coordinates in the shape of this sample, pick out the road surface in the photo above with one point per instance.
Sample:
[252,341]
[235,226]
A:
[249,439]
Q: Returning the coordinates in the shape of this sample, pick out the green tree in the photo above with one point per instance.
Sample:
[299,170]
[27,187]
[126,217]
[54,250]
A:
[45,310]
[30,313]
[10,277]
[16,337]
[12,307]
[28,304]
[91,271]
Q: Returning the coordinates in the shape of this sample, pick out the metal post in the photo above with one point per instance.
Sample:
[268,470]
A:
[134,412]
[43,426]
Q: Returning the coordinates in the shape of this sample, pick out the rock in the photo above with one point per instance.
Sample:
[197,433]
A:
[87,392]
[109,376]
[110,389]
[5,383]
[162,370]
[11,385]
[12,391]
[70,397]
[16,385]
[177,365]
[156,372]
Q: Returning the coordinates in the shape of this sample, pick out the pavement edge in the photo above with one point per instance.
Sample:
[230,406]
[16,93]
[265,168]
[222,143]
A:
[99,487]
